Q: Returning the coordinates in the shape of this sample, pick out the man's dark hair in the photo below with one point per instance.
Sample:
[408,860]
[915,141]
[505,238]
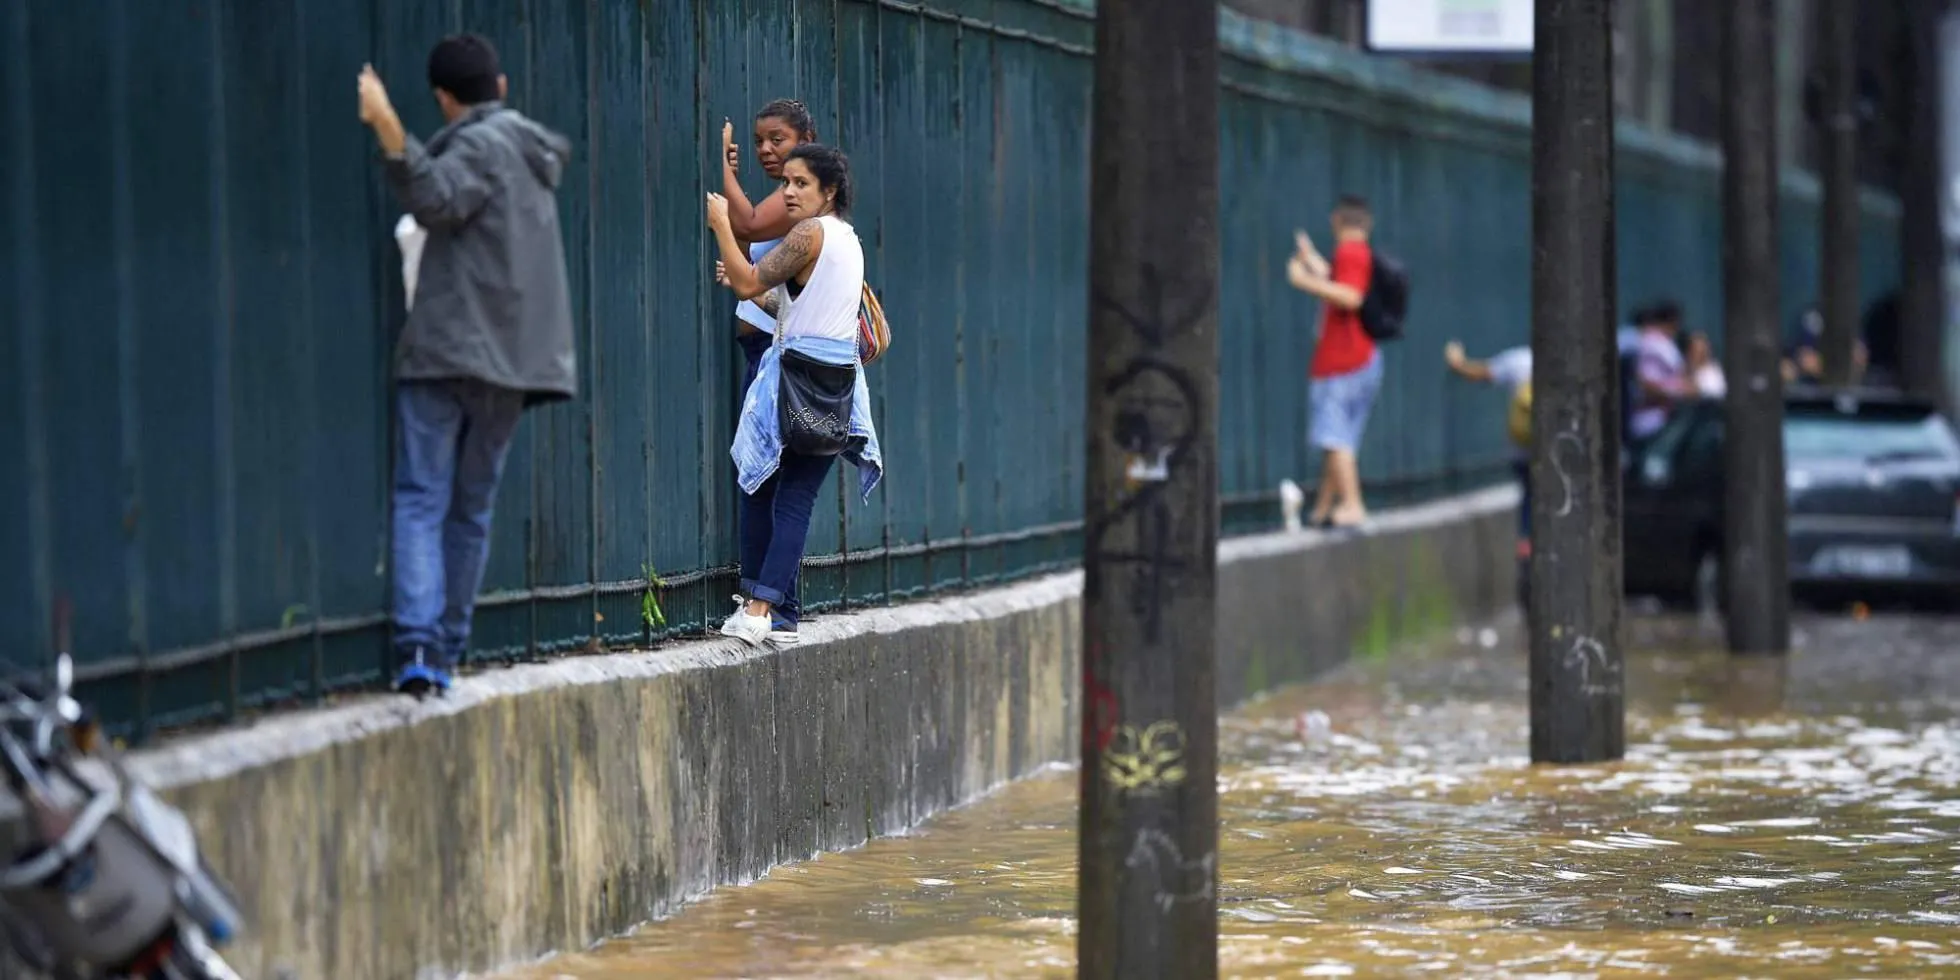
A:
[831,168]
[465,66]
[795,113]
[1664,311]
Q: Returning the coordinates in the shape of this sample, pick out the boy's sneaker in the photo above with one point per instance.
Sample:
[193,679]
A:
[418,678]
[752,630]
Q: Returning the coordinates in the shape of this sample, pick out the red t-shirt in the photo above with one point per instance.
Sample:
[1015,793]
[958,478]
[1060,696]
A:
[1344,345]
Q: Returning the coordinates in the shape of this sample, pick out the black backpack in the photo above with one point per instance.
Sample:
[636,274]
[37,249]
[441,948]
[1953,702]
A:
[1387,300]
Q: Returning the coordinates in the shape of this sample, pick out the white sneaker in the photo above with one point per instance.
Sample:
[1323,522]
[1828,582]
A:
[783,639]
[752,630]
[741,610]
[1291,499]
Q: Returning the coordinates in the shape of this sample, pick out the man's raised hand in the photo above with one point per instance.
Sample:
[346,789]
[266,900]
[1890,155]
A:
[374,104]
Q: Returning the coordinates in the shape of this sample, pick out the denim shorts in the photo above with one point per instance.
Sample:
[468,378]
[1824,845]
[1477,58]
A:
[1340,405]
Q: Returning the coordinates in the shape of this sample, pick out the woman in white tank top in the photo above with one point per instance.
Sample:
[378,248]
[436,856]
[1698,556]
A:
[780,127]
[812,284]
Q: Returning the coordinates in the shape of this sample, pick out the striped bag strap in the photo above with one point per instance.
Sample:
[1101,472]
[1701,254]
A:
[874,333]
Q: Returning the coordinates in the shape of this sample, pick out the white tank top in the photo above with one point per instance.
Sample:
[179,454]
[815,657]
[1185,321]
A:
[746,310]
[828,305]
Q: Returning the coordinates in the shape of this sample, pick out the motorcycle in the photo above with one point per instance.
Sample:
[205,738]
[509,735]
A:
[109,885]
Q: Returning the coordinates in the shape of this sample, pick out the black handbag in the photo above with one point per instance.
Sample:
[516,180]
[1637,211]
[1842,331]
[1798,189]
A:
[814,404]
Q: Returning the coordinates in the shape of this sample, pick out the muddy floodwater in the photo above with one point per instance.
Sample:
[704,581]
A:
[1386,822]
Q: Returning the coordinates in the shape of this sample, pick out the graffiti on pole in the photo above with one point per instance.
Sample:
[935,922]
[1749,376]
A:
[1157,420]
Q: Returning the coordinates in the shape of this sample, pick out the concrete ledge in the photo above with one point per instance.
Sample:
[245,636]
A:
[547,807]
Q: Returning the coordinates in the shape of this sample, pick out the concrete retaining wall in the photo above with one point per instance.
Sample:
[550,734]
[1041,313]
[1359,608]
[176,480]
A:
[547,807]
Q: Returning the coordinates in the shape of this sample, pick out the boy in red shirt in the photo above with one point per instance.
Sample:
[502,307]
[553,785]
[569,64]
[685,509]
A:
[1347,369]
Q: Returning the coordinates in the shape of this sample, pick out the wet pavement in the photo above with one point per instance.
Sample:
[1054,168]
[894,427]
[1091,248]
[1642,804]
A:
[1796,822]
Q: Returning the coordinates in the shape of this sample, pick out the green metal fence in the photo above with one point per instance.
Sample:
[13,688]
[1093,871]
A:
[200,292]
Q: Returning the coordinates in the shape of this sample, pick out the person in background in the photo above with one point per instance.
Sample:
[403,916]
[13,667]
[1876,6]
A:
[489,334]
[812,284]
[1346,373]
[1626,336]
[1626,341]
[1803,364]
[780,127]
[1704,371]
[1509,368]
[1660,372]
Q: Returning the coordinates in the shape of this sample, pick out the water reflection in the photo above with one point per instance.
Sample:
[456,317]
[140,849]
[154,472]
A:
[1754,686]
[1387,821]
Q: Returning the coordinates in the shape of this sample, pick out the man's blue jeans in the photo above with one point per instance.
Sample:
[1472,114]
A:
[775,526]
[453,439]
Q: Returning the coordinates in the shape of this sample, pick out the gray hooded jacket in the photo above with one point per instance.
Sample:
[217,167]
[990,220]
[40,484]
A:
[491,300]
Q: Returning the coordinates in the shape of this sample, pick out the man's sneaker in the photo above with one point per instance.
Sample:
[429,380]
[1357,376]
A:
[752,630]
[418,678]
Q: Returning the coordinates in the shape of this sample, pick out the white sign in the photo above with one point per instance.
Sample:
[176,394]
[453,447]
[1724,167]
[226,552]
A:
[1444,27]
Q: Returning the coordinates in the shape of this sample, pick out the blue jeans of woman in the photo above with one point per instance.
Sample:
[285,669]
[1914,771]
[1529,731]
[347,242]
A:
[775,525]
[753,344]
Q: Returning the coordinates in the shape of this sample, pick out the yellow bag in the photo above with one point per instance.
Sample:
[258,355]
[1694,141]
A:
[1520,420]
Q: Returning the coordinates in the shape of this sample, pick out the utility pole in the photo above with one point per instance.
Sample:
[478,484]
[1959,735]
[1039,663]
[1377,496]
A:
[1149,820]
[1577,679]
[1756,546]
[1838,248]
[1922,246]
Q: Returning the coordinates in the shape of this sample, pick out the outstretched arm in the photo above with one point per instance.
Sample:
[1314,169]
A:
[770,302]
[1469,370]
[1303,247]
[797,253]
[438,191]
[763,222]
[1327,290]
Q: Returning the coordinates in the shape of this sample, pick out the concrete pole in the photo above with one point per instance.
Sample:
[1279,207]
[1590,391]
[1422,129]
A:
[1947,65]
[1922,290]
[1838,247]
[1577,679]
[1149,819]
[1756,544]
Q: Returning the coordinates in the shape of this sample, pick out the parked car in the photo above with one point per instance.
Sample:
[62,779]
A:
[1872,479]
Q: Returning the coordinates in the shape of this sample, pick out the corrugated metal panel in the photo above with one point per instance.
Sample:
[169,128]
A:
[24,528]
[201,295]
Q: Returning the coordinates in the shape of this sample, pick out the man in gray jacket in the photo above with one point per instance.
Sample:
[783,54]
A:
[489,334]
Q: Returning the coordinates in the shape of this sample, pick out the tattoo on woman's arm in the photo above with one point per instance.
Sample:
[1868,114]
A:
[798,250]
[771,302]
